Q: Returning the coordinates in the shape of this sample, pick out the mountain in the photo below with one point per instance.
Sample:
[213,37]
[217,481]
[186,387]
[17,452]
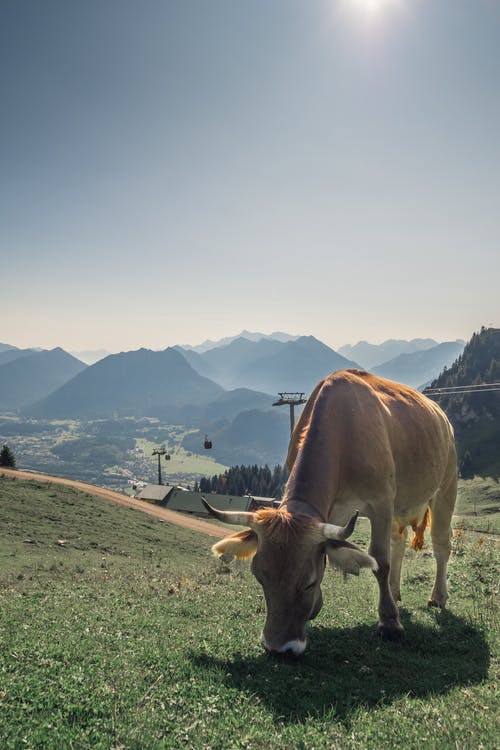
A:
[268,365]
[6,347]
[137,383]
[208,344]
[9,355]
[198,362]
[92,356]
[34,375]
[419,368]
[475,416]
[373,355]
[230,363]
[298,366]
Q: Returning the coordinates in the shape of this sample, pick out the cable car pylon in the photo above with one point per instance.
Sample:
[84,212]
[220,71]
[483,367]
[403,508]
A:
[292,399]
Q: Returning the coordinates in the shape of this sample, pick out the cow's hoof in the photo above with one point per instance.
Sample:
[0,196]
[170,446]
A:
[391,631]
[434,603]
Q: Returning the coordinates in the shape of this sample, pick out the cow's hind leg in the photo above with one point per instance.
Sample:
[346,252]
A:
[442,506]
[398,545]
[389,625]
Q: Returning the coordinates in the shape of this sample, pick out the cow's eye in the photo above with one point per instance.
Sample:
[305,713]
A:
[310,585]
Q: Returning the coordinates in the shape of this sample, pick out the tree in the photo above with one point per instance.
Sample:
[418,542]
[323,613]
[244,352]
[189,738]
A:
[7,458]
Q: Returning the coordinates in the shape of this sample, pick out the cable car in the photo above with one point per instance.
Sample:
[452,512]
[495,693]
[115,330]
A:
[207,443]
[167,457]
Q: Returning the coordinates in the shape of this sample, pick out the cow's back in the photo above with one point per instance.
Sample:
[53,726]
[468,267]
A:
[372,437]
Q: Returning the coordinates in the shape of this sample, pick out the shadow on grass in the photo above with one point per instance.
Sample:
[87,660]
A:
[345,669]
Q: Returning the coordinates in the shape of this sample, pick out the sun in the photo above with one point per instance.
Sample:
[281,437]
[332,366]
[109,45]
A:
[370,7]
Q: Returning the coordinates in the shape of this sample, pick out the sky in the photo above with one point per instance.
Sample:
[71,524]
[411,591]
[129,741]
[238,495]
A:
[177,170]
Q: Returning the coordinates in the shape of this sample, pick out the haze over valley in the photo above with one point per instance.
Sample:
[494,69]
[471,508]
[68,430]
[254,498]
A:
[102,420]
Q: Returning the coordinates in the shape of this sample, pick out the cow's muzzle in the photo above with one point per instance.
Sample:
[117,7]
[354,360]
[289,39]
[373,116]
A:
[295,647]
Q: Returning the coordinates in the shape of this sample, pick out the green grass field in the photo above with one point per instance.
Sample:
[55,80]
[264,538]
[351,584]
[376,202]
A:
[478,505]
[182,462]
[120,631]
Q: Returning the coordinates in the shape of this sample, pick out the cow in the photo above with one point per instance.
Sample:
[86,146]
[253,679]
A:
[362,445]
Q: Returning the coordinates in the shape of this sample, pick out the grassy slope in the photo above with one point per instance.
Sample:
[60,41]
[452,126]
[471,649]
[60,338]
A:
[478,505]
[131,636]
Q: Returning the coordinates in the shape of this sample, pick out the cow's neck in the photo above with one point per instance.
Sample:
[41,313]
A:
[313,480]
[304,509]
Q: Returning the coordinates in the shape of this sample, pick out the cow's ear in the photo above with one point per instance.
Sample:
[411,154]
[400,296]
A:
[348,558]
[242,545]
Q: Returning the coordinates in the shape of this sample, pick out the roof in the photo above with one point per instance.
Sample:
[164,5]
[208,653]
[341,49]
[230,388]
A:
[156,493]
[190,502]
[186,501]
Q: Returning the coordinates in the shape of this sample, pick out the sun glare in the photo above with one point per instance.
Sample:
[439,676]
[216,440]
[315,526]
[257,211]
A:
[370,7]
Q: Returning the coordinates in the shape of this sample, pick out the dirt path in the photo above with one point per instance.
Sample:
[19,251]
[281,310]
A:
[171,516]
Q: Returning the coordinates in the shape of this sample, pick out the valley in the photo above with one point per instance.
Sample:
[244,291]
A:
[110,453]
[102,423]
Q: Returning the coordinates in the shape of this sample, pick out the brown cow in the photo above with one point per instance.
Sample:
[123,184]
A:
[361,443]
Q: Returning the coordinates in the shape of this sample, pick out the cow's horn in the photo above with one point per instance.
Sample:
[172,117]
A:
[330,531]
[235,517]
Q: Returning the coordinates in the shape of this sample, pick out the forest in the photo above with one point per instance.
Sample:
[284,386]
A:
[254,480]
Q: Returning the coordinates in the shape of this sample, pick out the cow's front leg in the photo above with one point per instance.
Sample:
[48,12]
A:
[389,625]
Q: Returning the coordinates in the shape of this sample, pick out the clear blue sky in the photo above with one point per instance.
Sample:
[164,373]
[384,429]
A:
[175,170]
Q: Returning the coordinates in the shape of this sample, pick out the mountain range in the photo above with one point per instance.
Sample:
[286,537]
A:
[227,388]
[139,383]
[251,336]
[268,365]
[373,355]
[418,368]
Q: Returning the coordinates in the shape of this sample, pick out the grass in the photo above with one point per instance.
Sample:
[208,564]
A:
[128,635]
[478,505]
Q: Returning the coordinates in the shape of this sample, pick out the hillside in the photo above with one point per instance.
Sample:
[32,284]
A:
[122,631]
[34,375]
[135,383]
[420,367]
[475,416]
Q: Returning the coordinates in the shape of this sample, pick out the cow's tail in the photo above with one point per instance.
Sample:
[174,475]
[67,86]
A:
[417,540]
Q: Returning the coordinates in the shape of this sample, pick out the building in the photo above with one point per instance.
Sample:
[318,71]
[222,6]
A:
[155,493]
[186,501]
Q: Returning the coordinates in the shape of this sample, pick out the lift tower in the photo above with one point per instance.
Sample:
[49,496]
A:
[159,452]
[293,400]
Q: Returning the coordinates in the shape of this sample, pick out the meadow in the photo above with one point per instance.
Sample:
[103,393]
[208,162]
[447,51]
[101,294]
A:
[121,631]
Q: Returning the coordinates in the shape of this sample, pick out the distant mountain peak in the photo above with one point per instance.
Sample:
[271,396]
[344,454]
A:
[373,355]
[140,382]
[34,375]
[245,334]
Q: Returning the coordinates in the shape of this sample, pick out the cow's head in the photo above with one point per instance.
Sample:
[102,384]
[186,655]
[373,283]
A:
[288,554]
